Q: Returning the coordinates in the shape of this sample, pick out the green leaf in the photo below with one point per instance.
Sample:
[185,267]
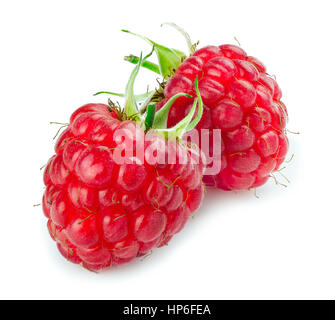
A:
[180,128]
[196,120]
[162,114]
[146,64]
[108,92]
[169,59]
[145,102]
[131,109]
[138,97]
[187,37]
[185,124]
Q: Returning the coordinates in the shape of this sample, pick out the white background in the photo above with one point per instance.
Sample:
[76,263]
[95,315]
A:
[55,54]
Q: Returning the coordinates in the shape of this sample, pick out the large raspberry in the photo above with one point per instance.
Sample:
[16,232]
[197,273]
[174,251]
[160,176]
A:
[244,102]
[241,100]
[102,213]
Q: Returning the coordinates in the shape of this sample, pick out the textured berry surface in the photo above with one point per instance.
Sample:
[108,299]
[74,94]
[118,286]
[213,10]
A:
[102,213]
[241,100]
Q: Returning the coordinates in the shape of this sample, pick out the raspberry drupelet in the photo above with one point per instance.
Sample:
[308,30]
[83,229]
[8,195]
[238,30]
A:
[241,100]
[103,213]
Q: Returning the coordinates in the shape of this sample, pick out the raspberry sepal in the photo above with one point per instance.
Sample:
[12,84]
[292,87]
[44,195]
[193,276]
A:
[169,59]
[186,124]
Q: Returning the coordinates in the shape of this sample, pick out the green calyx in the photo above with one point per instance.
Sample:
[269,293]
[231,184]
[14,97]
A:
[146,64]
[160,121]
[150,119]
[191,47]
[169,59]
[130,107]
[185,124]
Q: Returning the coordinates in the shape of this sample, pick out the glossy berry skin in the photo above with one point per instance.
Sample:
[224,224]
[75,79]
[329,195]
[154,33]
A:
[241,100]
[103,213]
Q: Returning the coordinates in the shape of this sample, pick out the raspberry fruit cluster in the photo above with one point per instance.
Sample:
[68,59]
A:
[124,181]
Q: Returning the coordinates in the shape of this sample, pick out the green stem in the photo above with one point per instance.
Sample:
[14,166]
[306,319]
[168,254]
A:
[150,116]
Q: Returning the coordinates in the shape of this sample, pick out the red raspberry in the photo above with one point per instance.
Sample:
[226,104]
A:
[111,195]
[102,213]
[242,100]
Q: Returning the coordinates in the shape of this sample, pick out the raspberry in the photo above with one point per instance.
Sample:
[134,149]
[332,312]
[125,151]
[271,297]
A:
[108,214]
[244,102]
[104,213]
[241,100]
